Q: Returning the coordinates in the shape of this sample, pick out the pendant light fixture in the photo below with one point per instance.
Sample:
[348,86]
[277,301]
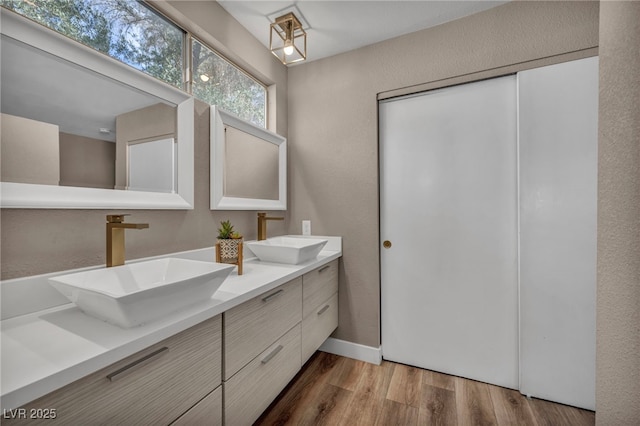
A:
[288,40]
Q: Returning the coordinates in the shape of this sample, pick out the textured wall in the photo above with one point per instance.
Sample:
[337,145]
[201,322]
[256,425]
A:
[618,314]
[333,140]
[40,241]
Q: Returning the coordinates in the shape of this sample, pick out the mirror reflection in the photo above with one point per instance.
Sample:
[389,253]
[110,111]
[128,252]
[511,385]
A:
[65,125]
[248,165]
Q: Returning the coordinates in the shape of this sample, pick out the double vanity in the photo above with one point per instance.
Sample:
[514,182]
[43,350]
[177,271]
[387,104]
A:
[218,361]
[175,339]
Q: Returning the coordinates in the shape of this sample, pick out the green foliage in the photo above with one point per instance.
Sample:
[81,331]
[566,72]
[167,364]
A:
[227,87]
[123,29]
[226,232]
[73,18]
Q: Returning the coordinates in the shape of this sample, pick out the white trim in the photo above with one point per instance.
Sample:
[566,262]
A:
[218,201]
[34,196]
[357,351]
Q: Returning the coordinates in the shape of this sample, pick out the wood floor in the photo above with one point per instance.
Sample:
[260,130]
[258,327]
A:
[333,390]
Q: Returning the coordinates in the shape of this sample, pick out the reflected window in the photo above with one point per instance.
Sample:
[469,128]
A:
[123,29]
[137,35]
[218,82]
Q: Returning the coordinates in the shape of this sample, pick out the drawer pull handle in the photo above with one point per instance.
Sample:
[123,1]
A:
[324,268]
[135,364]
[273,353]
[323,310]
[272,295]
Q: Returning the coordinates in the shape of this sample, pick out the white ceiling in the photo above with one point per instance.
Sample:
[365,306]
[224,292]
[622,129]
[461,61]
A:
[339,26]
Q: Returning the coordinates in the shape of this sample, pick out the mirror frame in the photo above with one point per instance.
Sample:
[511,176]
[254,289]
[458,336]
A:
[218,201]
[33,196]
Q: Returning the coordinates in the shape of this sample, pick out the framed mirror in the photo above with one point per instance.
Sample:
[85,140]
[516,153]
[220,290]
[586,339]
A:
[248,165]
[79,128]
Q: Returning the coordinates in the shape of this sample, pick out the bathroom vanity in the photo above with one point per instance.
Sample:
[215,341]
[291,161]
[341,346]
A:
[220,362]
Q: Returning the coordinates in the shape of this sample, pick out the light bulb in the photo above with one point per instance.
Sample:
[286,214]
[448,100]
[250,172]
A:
[288,47]
[204,77]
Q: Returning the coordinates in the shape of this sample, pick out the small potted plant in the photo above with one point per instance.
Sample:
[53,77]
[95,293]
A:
[229,243]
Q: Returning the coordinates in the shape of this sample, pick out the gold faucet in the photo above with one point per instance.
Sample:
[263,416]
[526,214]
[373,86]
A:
[115,237]
[262,225]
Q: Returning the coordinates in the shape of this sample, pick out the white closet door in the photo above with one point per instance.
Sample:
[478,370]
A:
[449,209]
[558,119]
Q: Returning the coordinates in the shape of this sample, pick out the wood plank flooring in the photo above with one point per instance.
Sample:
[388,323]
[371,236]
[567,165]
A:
[333,390]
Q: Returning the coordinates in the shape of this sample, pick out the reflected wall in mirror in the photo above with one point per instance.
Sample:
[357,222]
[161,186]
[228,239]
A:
[248,165]
[69,118]
[95,118]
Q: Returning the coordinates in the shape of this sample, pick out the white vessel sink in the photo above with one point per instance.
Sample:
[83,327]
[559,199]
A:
[290,250]
[137,293]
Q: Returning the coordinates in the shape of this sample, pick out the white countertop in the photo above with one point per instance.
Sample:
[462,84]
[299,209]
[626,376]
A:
[45,350]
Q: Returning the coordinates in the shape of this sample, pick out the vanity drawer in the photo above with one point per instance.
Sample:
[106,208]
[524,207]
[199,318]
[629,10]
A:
[318,285]
[250,392]
[154,386]
[206,412]
[254,325]
[319,325]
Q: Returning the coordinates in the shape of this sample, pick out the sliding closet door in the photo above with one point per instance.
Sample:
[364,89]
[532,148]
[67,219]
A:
[449,213]
[558,122]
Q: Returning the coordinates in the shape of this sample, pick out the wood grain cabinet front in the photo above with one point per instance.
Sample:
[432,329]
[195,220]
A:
[206,412]
[318,286]
[253,326]
[153,387]
[319,307]
[319,325]
[248,393]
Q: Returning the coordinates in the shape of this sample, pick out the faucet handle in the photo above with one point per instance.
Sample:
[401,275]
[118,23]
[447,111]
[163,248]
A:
[116,218]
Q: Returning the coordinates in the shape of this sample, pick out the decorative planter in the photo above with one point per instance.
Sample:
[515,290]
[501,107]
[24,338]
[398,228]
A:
[230,251]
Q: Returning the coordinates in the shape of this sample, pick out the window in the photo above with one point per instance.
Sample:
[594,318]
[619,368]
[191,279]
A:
[218,82]
[135,34]
[123,29]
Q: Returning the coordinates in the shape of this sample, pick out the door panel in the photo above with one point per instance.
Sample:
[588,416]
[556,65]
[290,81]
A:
[448,206]
[558,221]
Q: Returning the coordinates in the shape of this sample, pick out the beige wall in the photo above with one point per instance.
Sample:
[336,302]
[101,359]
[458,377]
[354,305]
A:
[40,241]
[618,297]
[86,162]
[30,151]
[333,141]
[250,166]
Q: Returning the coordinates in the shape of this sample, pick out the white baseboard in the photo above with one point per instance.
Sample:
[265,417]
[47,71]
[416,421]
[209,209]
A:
[353,350]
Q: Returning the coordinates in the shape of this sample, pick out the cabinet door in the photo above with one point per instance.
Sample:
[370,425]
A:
[318,285]
[319,325]
[252,389]
[254,325]
[154,386]
[558,124]
[206,412]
